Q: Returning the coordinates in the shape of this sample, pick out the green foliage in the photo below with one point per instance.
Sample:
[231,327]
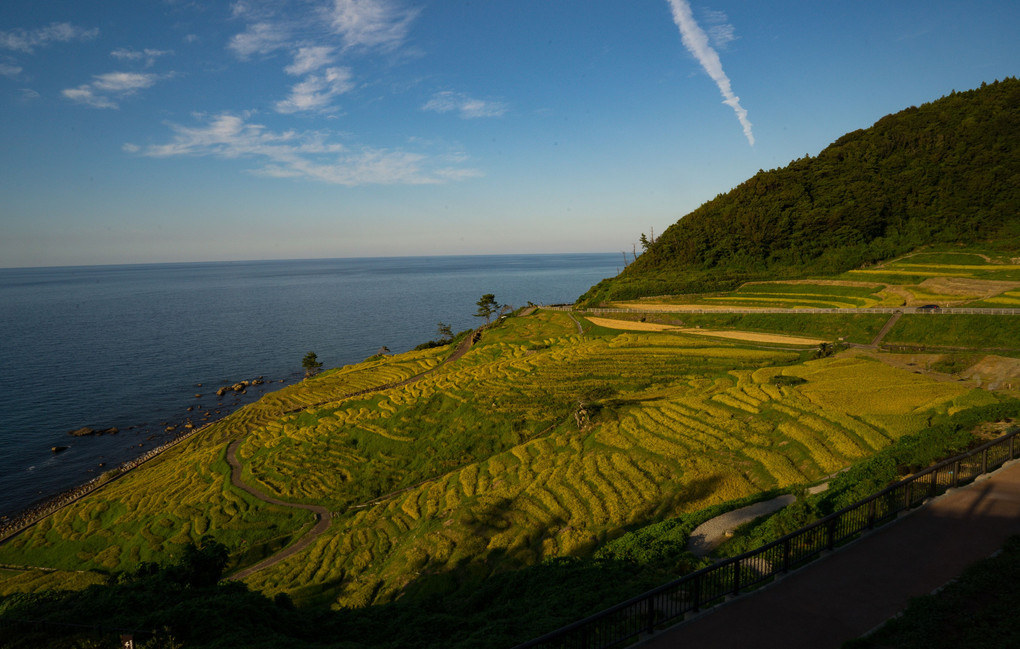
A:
[311,363]
[785,380]
[487,306]
[942,172]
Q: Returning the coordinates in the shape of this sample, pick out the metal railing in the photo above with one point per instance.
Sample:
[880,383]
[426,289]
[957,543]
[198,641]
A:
[625,622]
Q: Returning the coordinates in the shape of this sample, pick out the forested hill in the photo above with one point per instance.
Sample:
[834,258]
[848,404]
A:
[947,171]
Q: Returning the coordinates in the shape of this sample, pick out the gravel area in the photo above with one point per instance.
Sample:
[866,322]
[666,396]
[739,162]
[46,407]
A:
[710,534]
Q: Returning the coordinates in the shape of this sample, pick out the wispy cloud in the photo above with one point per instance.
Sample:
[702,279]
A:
[315,38]
[9,71]
[148,56]
[316,91]
[293,154]
[308,59]
[468,107]
[27,40]
[259,38]
[378,24]
[720,30]
[697,43]
[106,89]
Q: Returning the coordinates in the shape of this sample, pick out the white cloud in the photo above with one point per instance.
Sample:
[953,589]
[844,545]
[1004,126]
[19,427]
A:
[147,55]
[696,41]
[316,91]
[123,82]
[292,154]
[720,30]
[27,94]
[371,23]
[85,95]
[9,71]
[309,59]
[22,40]
[107,88]
[263,37]
[468,107]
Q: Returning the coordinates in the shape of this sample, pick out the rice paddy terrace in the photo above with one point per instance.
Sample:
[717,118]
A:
[539,442]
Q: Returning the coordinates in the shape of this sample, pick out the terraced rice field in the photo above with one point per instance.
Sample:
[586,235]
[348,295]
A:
[698,435]
[537,443]
[821,295]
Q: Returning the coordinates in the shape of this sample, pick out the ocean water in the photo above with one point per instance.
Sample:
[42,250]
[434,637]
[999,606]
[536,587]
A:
[131,347]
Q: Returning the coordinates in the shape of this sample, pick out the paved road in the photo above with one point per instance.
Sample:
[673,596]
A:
[857,588]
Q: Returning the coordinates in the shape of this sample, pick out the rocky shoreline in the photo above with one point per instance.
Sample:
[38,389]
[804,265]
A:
[28,517]
[189,425]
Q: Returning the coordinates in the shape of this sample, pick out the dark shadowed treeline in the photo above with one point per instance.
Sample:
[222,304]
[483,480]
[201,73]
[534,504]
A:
[947,171]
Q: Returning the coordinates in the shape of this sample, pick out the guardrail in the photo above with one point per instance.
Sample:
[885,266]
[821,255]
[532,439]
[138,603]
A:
[670,602]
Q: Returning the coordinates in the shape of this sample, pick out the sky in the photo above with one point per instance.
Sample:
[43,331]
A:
[143,131]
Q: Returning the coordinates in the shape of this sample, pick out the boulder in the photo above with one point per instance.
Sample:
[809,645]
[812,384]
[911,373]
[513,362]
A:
[81,432]
[58,449]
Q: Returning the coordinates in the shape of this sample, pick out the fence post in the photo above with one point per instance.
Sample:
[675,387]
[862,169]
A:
[956,474]
[1012,447]
[910,495]
[697,593]
[786,555]
[831,533]
[736,577]
[934,484]
[984,461]
[871,514]
[651,614]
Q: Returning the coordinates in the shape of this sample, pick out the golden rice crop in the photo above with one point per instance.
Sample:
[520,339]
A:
[777,464]
[818,451]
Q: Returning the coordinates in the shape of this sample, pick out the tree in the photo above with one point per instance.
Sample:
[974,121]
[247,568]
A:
[487,305]
[311,364]
[445,332]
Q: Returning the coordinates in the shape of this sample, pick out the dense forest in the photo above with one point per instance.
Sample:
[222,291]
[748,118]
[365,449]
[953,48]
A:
[947,171]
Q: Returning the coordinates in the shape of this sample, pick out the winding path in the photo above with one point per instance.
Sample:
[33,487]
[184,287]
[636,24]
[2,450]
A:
[322,516]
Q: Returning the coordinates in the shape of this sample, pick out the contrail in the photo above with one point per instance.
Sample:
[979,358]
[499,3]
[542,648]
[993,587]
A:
[696,41]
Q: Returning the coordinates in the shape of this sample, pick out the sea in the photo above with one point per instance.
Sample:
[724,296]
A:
[143,348]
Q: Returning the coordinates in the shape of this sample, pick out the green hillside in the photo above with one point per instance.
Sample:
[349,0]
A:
[947,171]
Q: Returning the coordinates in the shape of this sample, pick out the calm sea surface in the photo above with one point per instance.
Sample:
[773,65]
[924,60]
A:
[128,346]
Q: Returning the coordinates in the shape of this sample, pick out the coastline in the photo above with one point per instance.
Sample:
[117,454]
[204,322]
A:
[32,514]
[21,519]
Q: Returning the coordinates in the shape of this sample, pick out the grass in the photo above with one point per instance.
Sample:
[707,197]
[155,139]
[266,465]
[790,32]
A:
[957,331]
[852,327]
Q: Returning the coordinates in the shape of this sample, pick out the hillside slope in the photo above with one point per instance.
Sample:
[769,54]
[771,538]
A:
[947,171]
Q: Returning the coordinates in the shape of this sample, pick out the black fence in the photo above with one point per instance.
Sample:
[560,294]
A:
[669,603]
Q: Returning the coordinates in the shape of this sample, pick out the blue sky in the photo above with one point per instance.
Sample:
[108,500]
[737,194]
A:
[171,130]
